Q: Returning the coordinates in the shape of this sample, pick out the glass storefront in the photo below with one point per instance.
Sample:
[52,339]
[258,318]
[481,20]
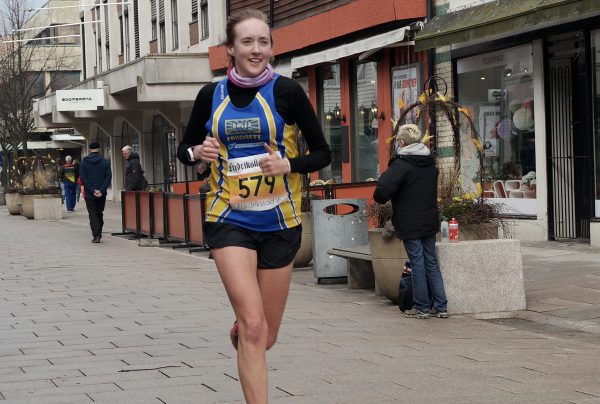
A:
[497,91]
[330,100]
[164,153]
[596,71]
[129,137]
[365,161]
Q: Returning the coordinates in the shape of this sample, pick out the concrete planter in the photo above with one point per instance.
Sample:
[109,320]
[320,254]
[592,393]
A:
[13,203]
[41,206]
[388,256]
[305,254]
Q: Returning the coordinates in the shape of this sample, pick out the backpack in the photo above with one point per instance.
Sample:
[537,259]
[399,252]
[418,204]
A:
[405,290]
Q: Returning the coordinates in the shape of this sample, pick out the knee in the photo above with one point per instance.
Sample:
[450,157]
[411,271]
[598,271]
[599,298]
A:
[255,330]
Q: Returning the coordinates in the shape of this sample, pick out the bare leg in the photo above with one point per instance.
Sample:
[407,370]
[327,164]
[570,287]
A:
[237,268]
[274,286]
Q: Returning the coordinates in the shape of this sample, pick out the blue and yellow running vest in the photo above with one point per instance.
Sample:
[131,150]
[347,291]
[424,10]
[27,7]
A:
[239,193]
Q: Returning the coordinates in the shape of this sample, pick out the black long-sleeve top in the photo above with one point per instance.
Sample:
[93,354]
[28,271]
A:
[291,103]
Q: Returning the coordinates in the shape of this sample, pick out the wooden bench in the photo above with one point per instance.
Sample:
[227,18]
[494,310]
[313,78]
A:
[360,268]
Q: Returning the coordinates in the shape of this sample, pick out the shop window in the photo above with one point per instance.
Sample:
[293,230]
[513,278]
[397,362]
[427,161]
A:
[497,91]
[596,69]
[364,157]
[330,101]
[164,153]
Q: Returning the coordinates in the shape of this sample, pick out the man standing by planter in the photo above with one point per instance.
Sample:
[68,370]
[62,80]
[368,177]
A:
[95,173]
[410,182]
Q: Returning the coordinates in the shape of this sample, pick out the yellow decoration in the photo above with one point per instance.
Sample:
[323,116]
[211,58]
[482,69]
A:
[477,144]
[440,97]
[463,111]
[401,104]
[422,98]
[389,139]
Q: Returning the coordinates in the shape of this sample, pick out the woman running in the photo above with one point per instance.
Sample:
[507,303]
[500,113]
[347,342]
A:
[244,126]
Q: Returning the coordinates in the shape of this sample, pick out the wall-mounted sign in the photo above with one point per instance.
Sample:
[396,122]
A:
[79,100]
[407,84]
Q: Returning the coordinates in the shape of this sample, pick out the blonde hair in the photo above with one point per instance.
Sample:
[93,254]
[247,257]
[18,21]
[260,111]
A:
[409,134]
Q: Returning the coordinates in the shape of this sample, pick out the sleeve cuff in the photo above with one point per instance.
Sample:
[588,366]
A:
[190,152]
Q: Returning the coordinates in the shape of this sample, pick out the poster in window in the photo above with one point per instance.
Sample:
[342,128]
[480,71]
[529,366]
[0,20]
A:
[406,87]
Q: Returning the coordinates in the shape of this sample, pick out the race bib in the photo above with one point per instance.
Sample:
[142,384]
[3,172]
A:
[249,189]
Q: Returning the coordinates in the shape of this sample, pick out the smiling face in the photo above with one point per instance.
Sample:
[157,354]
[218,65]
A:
[251,49]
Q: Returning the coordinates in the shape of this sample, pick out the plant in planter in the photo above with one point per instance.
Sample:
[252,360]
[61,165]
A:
[14,188]
[388,253]
[529,180]
[40,181]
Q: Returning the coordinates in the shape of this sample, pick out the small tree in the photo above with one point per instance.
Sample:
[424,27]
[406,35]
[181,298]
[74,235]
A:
[29,68]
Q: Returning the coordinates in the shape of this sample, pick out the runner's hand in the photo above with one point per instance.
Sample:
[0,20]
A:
[273,164]
[207,151]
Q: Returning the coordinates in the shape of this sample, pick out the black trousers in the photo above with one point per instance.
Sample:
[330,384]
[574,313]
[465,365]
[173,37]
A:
[95,208]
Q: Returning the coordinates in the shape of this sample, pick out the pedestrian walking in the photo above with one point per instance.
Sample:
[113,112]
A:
[134,175]
[78,184]
[96,175]
[410,182]
[244,126]
[69,174]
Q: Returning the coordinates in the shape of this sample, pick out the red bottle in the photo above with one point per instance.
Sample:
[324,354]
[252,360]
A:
[453,227]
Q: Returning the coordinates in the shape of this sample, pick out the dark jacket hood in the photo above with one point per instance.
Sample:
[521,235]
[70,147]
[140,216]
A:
[418,161]
[93,158]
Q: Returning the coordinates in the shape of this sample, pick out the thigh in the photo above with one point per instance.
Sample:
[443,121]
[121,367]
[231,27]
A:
[274,286]
[429,256]
[237,268]
[414,250]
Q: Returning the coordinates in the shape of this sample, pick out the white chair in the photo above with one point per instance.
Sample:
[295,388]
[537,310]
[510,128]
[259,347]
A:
[499,189]
[515,194]
[510,185]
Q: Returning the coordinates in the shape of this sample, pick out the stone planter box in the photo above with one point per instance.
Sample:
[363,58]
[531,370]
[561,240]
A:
[388,256]
[305,254]
[13,203]
[41,206]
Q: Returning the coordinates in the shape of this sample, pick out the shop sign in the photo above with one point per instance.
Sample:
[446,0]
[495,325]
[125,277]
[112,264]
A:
[495,59]
[79,100]
[406,87]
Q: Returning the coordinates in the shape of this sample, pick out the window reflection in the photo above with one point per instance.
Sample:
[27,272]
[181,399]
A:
[365,162]
[330,112]
[499,100]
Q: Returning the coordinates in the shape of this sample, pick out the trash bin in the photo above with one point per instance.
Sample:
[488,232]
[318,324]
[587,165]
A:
[336,223]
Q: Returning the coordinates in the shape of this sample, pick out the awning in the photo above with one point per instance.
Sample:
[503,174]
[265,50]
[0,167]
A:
[501,18]
[363,45]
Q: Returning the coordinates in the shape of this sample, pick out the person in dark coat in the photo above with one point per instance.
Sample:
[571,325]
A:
[410,182]
[96,175]
[134,175]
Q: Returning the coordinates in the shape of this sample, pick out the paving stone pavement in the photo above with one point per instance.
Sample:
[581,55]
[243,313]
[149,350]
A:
[115,322]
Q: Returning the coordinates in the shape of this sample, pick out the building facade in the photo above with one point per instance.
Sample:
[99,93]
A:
[528,73]
[150,58]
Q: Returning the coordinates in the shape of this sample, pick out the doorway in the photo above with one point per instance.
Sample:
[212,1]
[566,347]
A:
[570,143]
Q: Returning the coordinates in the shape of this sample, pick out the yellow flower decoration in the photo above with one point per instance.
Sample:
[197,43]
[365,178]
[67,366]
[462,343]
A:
[401,104]
[440,97]
[464,111]
[457,199]
[389,139]
[394,122]
[422,98]
[477,144]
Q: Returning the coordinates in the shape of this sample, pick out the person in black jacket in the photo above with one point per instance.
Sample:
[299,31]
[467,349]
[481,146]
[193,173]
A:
[410,182]
[134,175]
[96,175]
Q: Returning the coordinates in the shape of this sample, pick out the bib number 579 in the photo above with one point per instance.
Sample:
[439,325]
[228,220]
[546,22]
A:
[245,190]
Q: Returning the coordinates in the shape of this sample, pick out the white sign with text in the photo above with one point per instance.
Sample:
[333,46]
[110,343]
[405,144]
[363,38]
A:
[79,100]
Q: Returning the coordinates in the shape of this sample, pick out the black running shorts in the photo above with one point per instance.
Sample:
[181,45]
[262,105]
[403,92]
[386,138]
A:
[274,249]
